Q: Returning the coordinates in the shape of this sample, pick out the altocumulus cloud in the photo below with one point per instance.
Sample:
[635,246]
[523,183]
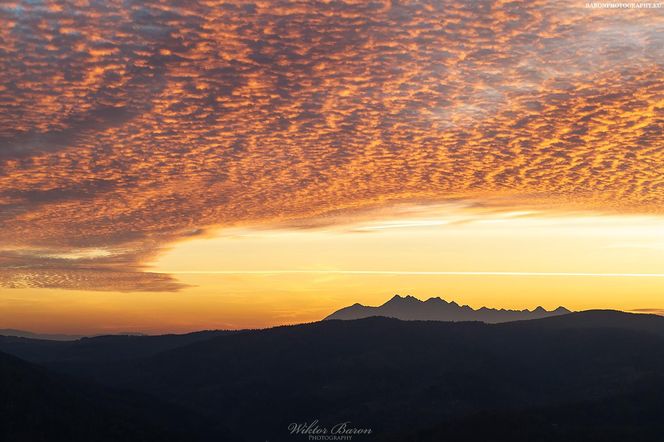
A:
[126,125]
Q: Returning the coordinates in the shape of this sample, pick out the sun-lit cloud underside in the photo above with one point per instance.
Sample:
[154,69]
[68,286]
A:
[126,126]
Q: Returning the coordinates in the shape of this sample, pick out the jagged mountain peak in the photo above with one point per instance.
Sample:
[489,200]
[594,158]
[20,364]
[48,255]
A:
[437,309]
[398,299]
[436,300]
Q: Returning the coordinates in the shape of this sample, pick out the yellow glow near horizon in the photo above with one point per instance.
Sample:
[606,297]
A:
[234,301]
[455,242]
[258,277]
[351,150]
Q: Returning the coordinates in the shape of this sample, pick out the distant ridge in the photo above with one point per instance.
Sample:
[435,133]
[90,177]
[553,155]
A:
[31,335]
[437,309]
[55,337]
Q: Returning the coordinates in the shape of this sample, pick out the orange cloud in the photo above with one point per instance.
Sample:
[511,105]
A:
[129,125]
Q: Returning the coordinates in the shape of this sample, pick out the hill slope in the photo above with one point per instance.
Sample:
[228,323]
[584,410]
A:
[41,406]
[392,375]
[97,353]
[409,379]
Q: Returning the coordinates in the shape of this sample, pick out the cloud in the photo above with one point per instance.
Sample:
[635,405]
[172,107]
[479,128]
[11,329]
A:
[128,125]
[89,279]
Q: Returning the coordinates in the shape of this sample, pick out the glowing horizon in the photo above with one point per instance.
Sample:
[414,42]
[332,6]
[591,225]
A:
[153,152]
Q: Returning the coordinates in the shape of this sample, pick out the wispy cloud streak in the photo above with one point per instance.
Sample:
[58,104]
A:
[418,273]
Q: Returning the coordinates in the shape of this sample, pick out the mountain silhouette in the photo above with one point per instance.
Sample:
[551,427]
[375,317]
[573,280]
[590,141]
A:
[409,308]
[99,352]
[583,376]
[31,335]
[57,336]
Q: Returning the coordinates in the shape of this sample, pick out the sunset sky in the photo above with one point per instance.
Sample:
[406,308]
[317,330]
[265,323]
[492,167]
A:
[168,166]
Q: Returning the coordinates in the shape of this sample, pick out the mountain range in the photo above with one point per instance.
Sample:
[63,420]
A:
[409,308]
[583,376]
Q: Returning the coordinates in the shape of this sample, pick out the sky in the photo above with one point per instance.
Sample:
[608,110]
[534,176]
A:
[179,165]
